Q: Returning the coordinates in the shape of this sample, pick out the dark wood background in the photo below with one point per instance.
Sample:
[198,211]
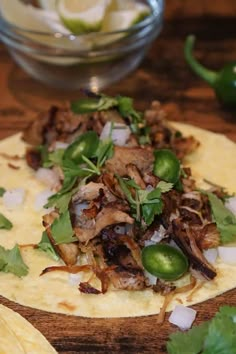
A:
[163,75]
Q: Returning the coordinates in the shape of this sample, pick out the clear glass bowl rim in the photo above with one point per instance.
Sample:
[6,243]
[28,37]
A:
[157,7]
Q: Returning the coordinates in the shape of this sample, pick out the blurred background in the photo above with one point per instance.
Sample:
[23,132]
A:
[162,75]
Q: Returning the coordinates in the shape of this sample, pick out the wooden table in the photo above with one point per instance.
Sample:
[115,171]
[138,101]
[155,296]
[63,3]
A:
[163,75]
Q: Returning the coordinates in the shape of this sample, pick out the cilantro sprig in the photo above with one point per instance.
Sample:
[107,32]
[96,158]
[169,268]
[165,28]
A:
[82,159]
[124,105]
[5,223]
[224,218]
[145,204]
[2,191]
[46,246]
[62,230]
[11,261]
[217,336]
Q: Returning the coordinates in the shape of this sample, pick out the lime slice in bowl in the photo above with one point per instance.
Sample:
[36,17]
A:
[82,16]
[47,4]
[124,19]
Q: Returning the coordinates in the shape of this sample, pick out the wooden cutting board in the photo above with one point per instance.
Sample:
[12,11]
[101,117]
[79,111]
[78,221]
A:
[163,75]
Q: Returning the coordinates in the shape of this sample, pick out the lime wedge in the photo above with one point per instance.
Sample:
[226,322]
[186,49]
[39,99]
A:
[47,4]
[123,19]
[82,16]
[117,5]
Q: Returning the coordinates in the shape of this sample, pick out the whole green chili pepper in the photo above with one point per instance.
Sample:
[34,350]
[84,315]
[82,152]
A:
[223,82]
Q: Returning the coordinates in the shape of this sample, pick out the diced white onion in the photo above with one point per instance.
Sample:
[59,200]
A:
[119,133]
[48,177]
[174,216]
[192,195]
[149,243]
[172,243]
[158,234]
[182,317]
[42,199]
[120,229]
[75,279]
[60,145]
[231,204]
[149,188]
[13,198]
[78,208]
[227,254]
[211,255]
[151,278]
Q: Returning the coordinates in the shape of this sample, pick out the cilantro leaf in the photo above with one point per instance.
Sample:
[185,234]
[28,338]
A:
[104,152]
[164,186]
[228,311]
[62,230]
[221,336]
[224,218]
[89,105]
[125,107]
[2,191]
[5,223]
[190,342]
[146,204]
[217,336]
[150,210]
[54,158]
[11,261]
[60,201]
[46,246]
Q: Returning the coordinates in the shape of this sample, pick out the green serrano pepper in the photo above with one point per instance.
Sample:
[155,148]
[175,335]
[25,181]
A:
[223,82]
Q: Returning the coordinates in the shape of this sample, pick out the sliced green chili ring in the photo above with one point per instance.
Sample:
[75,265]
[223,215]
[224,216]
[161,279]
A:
[164,261]
[166,165]
[86,145]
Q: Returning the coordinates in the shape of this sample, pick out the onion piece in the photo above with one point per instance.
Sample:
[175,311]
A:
[13,198]
[152,280]
[75,279]
[231,204]
[42,199]
[158,234]
[78,208]
[227,254]
[60,145]
[119,133]
[149,243]
[211,255]
[48,177]
[120,229]
[183,317]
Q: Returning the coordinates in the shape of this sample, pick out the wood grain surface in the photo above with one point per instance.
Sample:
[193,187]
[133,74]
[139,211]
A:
[163,75]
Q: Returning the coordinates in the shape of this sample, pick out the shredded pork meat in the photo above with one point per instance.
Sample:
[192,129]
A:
[109,236]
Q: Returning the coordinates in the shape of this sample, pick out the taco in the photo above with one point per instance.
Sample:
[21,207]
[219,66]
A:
[18,336]
[133,207]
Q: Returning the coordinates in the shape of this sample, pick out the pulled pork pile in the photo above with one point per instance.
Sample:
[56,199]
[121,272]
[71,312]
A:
[107,233]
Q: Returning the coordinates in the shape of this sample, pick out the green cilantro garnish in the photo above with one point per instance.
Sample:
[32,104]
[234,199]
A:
[2,191]
[124,105]
[79,166]
[217,336]
[46,246]
[54,158]
[11,261]
[145,204]
[224,218]
[5,223]
[62,230]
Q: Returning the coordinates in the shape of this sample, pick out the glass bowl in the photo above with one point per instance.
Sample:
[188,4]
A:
[91,61]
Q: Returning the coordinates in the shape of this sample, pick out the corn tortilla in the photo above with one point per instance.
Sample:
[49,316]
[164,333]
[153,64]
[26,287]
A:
[54,292]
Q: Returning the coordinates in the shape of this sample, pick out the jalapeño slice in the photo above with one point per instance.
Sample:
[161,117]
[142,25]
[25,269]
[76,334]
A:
[164,261]
[85,145]
[166,165]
